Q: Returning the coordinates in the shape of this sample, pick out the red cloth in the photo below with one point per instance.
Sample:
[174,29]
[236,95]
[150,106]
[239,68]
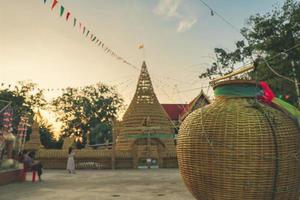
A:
[268,95]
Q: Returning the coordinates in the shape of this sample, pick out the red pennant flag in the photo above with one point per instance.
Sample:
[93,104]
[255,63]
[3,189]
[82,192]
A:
[68,15]
[54,4]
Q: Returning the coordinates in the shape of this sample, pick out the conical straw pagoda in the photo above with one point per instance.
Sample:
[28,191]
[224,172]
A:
[145,123]
[34,143]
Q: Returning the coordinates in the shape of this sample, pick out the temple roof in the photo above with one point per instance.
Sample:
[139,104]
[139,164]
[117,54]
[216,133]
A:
[180,111]
[175,110]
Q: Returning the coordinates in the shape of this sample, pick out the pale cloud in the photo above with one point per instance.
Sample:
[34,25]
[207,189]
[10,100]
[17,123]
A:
[167,8]
[173,9]
[186,24]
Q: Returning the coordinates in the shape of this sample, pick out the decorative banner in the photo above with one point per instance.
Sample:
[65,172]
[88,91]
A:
[62,9]
[54,4]
[74,22]
[93,37]
[68,15]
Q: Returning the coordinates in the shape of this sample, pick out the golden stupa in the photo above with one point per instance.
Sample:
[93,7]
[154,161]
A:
[145,129]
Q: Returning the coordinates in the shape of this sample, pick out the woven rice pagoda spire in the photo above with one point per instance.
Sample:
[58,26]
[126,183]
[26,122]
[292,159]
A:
[34,143]
[145,116]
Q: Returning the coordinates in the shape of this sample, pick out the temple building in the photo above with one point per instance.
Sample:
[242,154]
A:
[178,112]
[146,129]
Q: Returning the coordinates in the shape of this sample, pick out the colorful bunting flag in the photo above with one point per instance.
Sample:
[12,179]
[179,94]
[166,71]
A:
[62,10]
[74,23]
[54,4]
[68,15]
[86,33]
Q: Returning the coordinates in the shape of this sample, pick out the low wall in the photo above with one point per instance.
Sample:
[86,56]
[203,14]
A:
[84,159]
[94,159]
[170,162]
[10,176]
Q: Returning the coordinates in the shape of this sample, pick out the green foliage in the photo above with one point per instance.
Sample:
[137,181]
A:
[25,98]
[47,137]
[101,133]
[267,36]
[84,110]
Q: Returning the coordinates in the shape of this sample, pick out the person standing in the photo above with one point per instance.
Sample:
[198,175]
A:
[71,161]
[31,165]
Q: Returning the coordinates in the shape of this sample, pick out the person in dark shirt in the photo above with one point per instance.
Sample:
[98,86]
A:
[31,165]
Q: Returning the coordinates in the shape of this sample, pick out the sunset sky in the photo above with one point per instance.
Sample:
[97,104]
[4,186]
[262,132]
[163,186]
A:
[179,37]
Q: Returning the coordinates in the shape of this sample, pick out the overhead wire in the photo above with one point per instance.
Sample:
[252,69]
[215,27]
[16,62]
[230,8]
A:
[213,11]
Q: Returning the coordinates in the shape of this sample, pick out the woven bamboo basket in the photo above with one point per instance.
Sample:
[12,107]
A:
[239,149]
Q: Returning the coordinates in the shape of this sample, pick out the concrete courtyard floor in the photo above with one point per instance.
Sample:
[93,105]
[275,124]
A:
[157,184]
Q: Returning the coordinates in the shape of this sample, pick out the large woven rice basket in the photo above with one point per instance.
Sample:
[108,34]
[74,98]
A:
[239,149]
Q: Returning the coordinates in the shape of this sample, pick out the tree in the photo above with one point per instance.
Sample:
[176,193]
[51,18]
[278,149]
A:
[47,136]
[101,133]
[25,98]
[82,110]
[266,36]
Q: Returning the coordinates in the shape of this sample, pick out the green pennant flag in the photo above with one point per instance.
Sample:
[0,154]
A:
[94,39]
[45,1]
[75,20]
[62,10]
[87,33]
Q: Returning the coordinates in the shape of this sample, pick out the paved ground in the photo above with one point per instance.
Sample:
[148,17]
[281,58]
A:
[142,184]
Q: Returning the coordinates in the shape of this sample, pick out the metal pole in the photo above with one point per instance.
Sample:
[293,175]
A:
[296,83]
[114,137]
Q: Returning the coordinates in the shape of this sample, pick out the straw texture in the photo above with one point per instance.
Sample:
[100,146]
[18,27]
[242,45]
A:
[236,148]
[144,105]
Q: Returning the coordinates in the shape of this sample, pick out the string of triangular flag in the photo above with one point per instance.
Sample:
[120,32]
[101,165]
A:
[10,86]
[63,12]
